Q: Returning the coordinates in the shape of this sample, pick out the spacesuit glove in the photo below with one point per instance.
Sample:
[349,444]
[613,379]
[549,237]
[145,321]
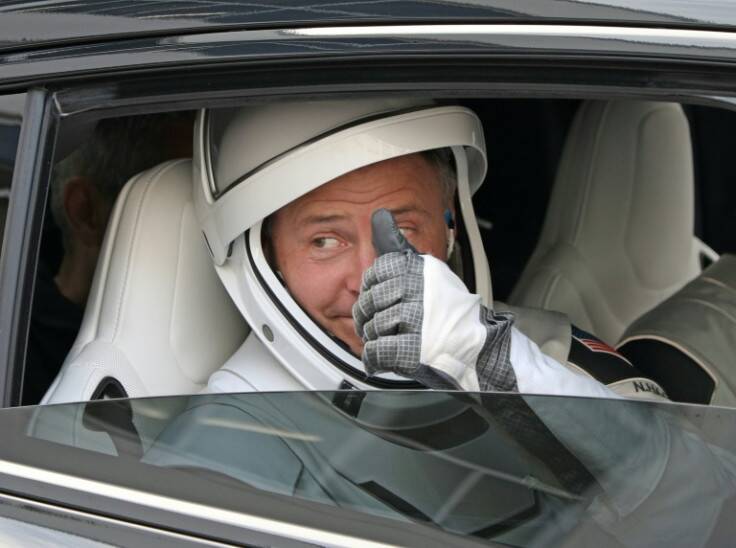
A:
[418,320]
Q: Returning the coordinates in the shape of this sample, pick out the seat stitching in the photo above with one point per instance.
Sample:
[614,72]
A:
[176,293]
[670,288]
[131,246]
[718,283]
[707,304]
[582,208]
[153,178]
[583,295]
[105,272]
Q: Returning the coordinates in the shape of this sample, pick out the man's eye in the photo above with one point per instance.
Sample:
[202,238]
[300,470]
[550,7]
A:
[325,243]
[405,230]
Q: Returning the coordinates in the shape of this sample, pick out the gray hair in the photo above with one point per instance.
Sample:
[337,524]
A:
[443,161]
[118,149]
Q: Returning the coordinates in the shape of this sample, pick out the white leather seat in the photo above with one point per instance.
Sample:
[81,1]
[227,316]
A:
[618,235]
[158,320]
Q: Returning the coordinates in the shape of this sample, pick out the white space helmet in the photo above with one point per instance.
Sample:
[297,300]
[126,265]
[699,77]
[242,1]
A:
[251,161]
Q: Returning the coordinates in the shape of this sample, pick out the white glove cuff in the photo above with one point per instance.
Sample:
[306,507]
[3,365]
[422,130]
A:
[452,335]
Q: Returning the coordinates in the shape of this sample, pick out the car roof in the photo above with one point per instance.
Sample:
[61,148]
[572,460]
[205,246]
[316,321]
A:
[36,23]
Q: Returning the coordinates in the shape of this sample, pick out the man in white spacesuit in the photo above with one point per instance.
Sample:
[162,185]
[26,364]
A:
[286,196]
[332,225]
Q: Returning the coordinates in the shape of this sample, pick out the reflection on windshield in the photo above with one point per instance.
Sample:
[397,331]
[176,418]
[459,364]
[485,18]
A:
[522,470]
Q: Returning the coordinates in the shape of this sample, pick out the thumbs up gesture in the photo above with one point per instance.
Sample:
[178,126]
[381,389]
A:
[418,320]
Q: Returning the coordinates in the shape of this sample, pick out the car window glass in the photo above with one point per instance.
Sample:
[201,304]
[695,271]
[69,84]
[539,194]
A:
[502,467]
[19,533]
[634,250]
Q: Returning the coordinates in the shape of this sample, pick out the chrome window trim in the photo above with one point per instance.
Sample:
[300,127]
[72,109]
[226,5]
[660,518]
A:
[257,524]
[677,44]
[658,35]
[27,508]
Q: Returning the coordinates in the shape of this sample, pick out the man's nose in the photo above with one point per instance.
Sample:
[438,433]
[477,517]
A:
[365,257]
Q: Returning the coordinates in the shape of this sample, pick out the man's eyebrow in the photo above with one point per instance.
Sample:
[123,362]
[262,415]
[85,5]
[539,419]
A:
[409,209]
[317,218]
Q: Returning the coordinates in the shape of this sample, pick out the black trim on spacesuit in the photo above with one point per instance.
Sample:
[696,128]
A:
[607,365]
[324,352]
[682,377]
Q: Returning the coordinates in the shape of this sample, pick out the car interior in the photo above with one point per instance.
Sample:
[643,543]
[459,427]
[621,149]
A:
[601,209]
[611,246]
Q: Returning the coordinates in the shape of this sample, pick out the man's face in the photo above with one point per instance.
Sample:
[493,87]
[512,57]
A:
[322,241]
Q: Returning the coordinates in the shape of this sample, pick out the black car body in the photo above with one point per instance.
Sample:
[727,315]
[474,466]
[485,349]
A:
[70,64]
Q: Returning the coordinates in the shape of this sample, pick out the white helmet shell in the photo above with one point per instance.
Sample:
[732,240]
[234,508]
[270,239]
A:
[250,162]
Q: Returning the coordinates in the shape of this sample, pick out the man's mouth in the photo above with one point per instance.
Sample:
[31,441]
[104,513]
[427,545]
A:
[348,322]
[341,316]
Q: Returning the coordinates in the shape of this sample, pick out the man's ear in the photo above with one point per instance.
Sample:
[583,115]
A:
[86,211]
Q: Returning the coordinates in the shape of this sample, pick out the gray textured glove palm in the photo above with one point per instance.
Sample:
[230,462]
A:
[417,320]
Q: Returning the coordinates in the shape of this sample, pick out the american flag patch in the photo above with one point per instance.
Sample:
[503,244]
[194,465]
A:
[595,345]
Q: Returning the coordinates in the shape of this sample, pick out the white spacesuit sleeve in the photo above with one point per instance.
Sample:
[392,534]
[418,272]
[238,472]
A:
[418,320]
[537,373]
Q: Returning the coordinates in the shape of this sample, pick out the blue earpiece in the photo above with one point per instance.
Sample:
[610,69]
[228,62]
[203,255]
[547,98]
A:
[449,221]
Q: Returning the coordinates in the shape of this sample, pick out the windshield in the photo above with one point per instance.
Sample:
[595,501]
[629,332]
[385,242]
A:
[522,470]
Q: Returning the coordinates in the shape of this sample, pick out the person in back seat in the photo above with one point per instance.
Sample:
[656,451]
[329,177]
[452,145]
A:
[83,189]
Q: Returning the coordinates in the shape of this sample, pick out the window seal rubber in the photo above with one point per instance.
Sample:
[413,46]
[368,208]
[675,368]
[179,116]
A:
[21,242]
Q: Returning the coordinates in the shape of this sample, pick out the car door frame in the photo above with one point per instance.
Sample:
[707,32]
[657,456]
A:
[20,241]
[134,77]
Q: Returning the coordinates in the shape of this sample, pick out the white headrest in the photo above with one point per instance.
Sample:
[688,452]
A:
[158,320]
[618,236]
